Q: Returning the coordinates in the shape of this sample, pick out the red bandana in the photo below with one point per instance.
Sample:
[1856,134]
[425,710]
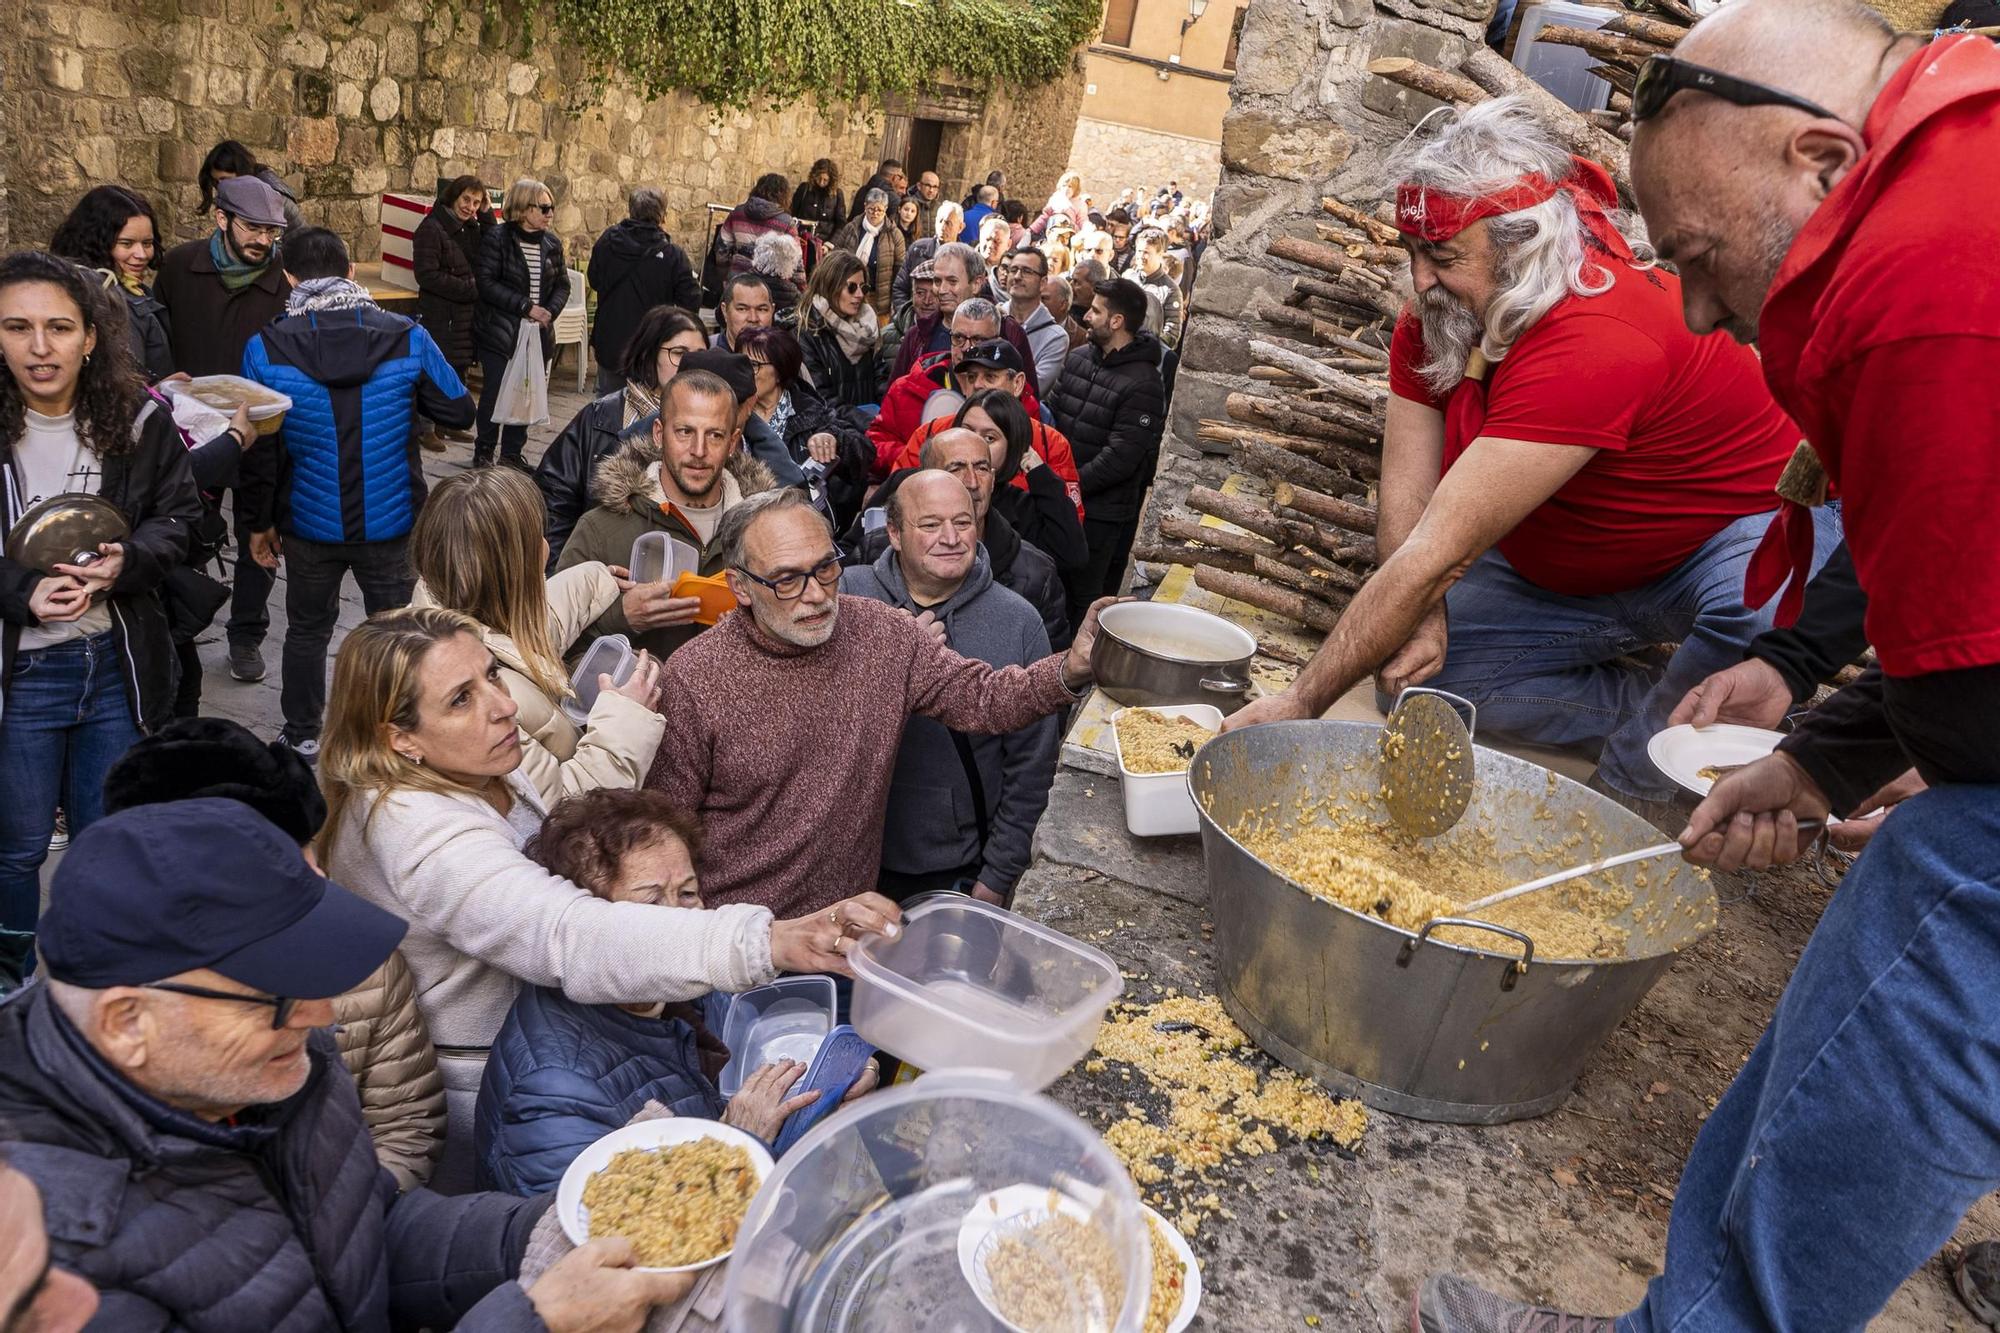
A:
[1431,215]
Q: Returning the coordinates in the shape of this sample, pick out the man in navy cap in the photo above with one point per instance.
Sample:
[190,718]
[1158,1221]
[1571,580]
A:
[218,291]
[201,1151]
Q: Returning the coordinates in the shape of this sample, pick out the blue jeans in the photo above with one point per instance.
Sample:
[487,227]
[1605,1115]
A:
[66,719]
[1867,1120]
[1539,663]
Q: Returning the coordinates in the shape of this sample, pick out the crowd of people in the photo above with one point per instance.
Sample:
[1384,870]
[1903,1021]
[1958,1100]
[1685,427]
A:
[357,994]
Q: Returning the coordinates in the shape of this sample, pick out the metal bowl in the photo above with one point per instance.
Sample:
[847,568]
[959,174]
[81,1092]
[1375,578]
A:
[1400,1019]
[65,529]
[1150,653]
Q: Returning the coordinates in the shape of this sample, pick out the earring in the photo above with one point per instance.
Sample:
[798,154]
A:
[86,358]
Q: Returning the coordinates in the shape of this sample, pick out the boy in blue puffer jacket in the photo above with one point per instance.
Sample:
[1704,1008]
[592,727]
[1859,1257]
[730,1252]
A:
[341,491]
[561,1074]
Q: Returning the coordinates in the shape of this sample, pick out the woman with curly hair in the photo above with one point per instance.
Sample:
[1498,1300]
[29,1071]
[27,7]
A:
[86,659]
[114,229]
[818,202]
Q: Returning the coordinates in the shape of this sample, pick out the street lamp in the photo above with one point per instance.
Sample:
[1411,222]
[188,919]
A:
[1196,8]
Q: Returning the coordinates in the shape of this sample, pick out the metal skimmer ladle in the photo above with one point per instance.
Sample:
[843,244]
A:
[1592,868]
[1427,762]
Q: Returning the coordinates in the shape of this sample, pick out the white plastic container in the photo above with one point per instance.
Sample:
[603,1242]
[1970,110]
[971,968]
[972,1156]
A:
[784,1020]
[613,654]
[1157,804]
[969,986]
[1563,70]
[660,557]
[860,1227]
[225,392]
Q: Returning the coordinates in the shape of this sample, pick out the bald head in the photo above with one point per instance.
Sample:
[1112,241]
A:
[1725,189]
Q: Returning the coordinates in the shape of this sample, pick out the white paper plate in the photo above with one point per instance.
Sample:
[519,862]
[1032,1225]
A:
[1682,752]
[665,1133]
[1004,1212]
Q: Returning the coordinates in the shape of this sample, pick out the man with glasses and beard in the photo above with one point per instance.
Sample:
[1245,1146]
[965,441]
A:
[789,713]
[218,292]
[1568,474]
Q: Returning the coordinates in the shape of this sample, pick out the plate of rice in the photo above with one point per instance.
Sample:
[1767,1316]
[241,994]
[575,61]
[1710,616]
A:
[1005,1249]
[676,1188]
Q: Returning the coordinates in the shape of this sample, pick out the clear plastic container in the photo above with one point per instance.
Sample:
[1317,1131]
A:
[969,986]
[660,556]
[1563,70]
[784,1020]
[612,653]
[883,1218]
[1161,803]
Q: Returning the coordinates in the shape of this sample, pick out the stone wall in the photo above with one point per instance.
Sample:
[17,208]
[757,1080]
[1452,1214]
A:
[1106,152]
[1305,119]
[347,98]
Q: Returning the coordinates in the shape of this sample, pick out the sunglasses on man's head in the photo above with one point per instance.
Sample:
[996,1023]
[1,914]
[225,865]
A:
[1660,77]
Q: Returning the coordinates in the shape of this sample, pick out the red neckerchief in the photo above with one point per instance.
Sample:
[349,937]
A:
[1436,217]
[1943,74]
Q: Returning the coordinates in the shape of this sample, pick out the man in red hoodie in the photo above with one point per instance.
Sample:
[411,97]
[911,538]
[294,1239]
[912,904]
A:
[1828,187]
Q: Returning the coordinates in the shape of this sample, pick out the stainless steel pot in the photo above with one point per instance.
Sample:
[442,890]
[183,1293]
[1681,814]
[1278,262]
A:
[1162,653]
[1400,1019]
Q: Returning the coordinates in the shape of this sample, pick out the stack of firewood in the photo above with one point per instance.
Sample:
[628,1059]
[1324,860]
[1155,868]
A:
[1310,430]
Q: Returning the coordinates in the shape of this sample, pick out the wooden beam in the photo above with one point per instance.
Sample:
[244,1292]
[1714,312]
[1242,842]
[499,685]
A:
[1607,46]
[1266,596]
[1317,504]
[1485,67]
[1657,31]
[1374,226]
[1431,82]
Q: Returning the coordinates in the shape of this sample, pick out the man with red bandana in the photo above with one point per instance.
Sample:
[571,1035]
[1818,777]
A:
[1828,187]
[1568,474]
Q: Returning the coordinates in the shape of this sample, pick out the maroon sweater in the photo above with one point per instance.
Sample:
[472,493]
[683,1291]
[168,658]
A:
[785,753]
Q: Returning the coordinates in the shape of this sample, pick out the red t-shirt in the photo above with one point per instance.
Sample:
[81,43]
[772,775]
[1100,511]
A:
[1688,436]
[1882,333]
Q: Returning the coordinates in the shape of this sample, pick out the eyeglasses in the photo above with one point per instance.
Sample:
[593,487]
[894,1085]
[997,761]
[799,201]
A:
[971,339]
[543,208]
[791,585]
[853,285]
[284,1004]
[1019,271]
[1660,77]
[267,230]
[674,354]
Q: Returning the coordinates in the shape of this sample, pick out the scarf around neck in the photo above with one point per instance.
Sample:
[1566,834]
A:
[858,336]
[236,273]
[322,294]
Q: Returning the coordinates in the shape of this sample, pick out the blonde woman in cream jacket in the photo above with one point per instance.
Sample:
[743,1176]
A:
[477,548]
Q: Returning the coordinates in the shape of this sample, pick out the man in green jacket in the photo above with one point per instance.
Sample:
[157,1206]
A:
[680,480]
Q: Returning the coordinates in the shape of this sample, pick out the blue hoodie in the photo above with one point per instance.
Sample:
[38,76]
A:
[350,470]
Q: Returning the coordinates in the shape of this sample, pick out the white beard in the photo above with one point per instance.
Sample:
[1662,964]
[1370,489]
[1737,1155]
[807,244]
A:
[1451,332]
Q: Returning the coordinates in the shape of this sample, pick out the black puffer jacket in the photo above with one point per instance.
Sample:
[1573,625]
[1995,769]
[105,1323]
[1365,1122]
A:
[150,339]
[1018,566]
[571,460]
[822,210]
[847,475]
[841,382]
[154,488]
[633,267]
[281,1221]
[1113,409]
[503,289]
[447,288]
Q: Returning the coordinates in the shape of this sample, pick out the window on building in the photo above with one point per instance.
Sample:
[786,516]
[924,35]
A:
[1235,38]
[1118,16]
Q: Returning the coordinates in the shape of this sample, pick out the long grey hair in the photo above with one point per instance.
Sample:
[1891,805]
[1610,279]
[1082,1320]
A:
[1541,254]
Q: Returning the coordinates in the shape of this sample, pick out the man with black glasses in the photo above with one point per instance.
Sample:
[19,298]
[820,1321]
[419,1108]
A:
[219,291]
[788,714]
[1826,186]
[1020,275]
[178,1102]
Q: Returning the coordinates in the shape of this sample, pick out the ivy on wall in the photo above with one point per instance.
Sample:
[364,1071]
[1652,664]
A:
[742,53]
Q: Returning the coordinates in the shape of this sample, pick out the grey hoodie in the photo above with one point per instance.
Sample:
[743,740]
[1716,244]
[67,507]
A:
[931,824]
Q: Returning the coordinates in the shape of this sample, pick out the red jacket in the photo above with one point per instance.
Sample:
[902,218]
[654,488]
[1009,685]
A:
[1048,442]
[903,407]
[1878,338]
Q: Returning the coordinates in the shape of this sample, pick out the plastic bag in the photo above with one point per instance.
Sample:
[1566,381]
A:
[524,393]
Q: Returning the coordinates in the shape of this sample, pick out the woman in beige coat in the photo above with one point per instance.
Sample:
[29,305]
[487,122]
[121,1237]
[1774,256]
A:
[478,548]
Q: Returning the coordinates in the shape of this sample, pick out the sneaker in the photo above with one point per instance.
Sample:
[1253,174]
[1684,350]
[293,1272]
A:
[1976,1277]
[246,661]
[1447,1304]
[60,838]
[306,749]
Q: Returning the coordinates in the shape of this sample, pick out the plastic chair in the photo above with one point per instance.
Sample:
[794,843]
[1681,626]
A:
[571,326]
